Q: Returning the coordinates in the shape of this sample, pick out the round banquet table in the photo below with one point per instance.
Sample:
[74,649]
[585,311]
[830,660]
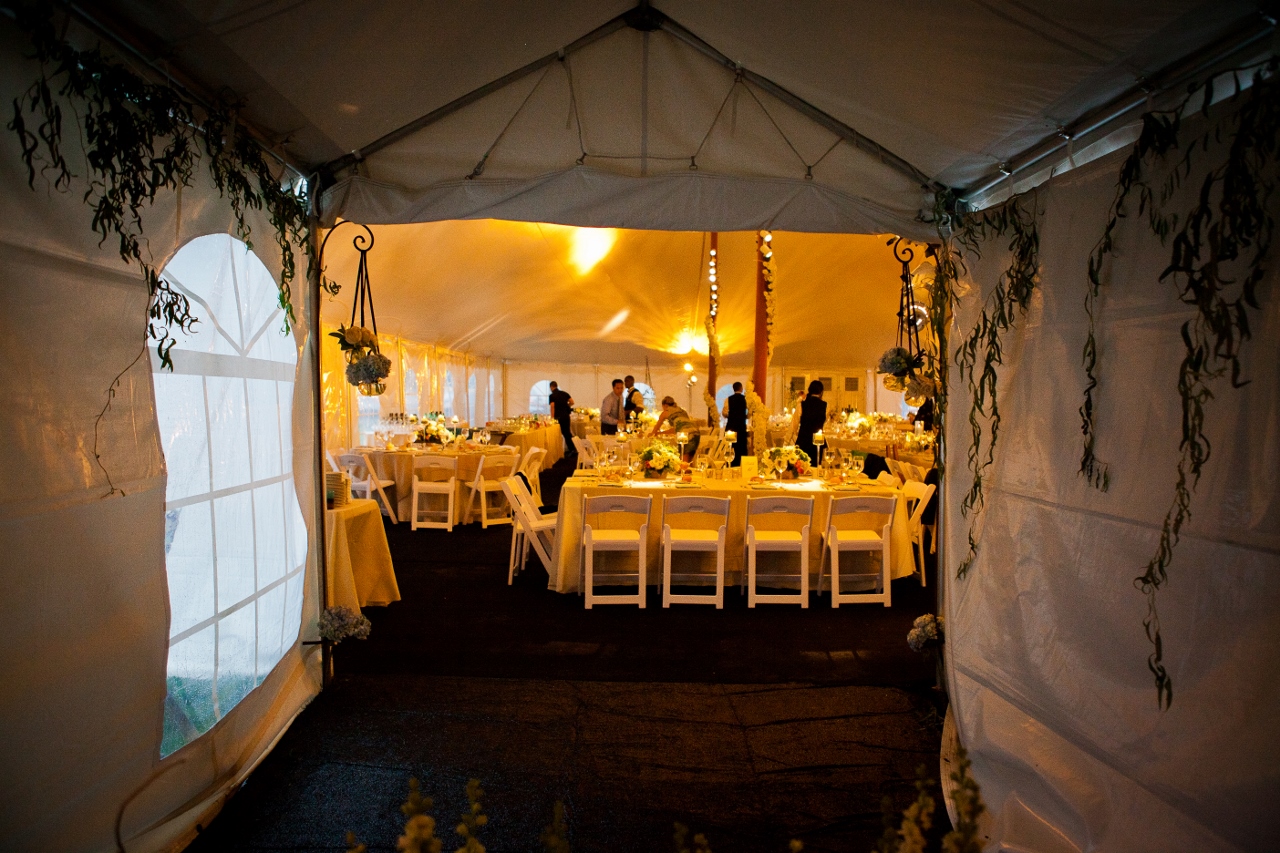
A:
[358,570]
[566,557]
[397,465]
[548,438]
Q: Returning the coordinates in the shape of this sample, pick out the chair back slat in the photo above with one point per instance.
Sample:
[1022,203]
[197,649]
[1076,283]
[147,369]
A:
[785,505]
[600,504]
[435,469]
[851,505]
[357,465]
[709,506]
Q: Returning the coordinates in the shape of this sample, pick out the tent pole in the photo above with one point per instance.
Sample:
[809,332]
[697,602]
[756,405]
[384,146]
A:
[317,457]
[713,417]
[760,373]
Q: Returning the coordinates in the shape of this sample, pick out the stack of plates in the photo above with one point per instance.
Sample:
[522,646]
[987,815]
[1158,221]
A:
[338,483]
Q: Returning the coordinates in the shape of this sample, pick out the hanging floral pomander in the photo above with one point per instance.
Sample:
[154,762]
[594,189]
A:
[368,371]
[920,388]
[899,362]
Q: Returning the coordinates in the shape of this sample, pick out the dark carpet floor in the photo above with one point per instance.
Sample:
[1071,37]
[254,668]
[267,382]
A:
[753,726]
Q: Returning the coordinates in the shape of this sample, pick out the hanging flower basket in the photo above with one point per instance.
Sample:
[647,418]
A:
[367,372]
[899,362]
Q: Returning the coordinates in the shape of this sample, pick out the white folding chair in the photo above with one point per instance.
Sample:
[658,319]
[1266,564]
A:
[917,496]
[434,476]
[610,538]
[778,540]
[531,467]
[693,539]
[497,466]
[531,529]
[586,452]
[884,478]
[366,482]
[839,539]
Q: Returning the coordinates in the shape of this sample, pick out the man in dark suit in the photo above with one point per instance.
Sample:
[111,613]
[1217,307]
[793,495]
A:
[561,409]
[735,413]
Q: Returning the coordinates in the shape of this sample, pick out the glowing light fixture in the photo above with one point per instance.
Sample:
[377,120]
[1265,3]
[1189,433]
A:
[688,368]
[590,246]
[688,341]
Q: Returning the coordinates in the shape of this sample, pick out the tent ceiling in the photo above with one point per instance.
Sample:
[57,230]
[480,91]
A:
[513,290]
[952,88]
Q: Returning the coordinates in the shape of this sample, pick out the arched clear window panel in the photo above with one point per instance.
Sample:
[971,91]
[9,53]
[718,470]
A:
[650,398]
[540,397]
[235,542]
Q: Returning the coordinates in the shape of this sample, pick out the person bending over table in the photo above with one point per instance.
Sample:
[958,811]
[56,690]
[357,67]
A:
[813,414]
[561,409]
[612,410]
[673,420]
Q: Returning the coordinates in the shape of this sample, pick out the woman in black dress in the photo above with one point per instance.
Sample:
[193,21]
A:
[813,414]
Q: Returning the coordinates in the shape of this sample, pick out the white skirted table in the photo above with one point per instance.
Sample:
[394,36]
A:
[358,568]
[566,556]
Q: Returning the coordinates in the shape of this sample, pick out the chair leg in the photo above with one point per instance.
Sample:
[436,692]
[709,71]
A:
[720,576]
[751,575]
[666,573]
[641,580]
[835,576]
[804,575]
[920,555]
[484,509]
[588,575]
[511,560]
[886,579]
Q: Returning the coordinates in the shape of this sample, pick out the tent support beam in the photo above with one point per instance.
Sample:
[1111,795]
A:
[806,109]
[645,18]
[346,161]
[1106,116]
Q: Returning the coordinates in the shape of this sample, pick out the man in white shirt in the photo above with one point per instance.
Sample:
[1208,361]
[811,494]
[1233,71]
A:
[612,410]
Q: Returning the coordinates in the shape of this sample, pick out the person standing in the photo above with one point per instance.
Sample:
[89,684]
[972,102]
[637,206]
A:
[633,400]
[735,413]
[813,414]
[561,410]
[613,410]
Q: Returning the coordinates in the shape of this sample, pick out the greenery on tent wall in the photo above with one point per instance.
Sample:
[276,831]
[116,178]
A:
[1218,259]
[141,138]
[1218,255]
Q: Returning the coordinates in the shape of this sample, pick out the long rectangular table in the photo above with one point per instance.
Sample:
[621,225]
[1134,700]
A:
[567,553]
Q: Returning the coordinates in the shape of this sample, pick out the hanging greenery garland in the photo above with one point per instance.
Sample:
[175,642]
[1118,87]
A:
[982,349]
[142,138]
[1218,254]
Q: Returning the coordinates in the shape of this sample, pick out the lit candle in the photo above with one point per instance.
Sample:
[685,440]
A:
[819,438]
[730,436]
[681,438]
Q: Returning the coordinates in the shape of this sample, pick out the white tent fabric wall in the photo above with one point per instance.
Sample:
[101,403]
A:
[86,616]
[1046,646]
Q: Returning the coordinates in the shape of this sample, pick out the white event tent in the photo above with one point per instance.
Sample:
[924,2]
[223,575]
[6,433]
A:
[681,117]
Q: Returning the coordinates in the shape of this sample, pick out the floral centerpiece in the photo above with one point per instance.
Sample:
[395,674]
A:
[923,443]
[789,461]
[434,430]
[658,460]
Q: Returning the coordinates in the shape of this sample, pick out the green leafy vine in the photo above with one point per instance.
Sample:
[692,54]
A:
[1218,259]
[982,350]
[141,138]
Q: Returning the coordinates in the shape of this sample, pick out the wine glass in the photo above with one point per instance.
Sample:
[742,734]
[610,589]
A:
[859,462]
[728,456]
[700,465]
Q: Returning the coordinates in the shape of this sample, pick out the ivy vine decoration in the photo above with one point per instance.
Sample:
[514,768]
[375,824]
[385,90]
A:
[139,139]
[982,350]
[1218,258]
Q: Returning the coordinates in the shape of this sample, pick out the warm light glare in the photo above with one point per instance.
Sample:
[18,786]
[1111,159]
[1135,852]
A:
[617,320]
[590,246]
[689,341]
[688,368]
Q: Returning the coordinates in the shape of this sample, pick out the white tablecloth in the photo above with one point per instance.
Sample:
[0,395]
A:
[358,570]
[567,553]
